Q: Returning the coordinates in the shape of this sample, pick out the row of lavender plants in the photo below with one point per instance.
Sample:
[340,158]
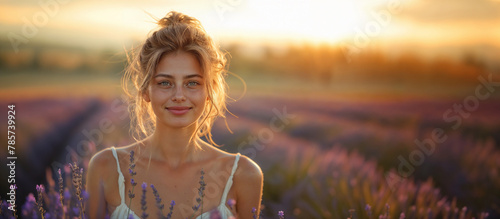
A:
[303,182]
[466,166]
[310,183]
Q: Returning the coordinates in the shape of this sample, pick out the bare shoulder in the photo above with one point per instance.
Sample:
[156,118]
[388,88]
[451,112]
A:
[248,184]
[215,153]
[104,161]
[124,151]
[101,182]
[248,170]
[101,162]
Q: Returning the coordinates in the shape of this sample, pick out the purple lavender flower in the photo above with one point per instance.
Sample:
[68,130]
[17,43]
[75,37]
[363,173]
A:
[254,213]
[158,201]
[28,209]
[39,202]
[131,194]
[77,183]
[215,214]
[368,209]
[131,156]
[231,203]
[143,201]
[67,194]
[201,193]
[157,197]
[61,188]
[169,215]
[31,198]
[281,214]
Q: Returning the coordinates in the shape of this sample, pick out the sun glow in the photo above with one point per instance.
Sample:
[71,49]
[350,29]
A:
[295,20]
[114,24]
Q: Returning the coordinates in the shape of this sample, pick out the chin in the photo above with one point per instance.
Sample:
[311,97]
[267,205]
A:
[179,123]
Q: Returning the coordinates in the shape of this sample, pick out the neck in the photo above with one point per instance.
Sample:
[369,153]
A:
[174,145]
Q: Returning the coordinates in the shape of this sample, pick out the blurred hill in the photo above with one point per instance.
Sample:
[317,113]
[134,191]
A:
[56,58]
[295,68]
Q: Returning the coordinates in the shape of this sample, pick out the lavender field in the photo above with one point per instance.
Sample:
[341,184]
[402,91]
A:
[321,157]
[352,109]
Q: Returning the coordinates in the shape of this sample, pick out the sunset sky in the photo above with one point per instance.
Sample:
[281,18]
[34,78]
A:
[390,24]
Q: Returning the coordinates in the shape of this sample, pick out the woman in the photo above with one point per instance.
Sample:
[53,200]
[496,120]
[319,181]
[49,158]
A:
[178,91]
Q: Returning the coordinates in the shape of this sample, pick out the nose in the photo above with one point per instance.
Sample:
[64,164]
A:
[178,95]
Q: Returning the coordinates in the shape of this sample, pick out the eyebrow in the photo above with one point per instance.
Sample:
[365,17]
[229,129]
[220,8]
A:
[185,77]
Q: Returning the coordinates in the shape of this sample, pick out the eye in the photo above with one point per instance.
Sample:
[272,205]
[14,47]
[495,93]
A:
[192,84]
[165,83]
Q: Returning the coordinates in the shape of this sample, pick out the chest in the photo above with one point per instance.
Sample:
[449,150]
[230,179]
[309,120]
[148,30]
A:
[185,186]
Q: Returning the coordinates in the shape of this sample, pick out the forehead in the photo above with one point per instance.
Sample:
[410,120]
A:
[179,64]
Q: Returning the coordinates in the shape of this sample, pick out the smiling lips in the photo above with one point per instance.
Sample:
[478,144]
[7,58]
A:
[178,110]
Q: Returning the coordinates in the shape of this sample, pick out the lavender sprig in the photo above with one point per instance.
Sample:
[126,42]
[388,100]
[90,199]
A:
[77,183]
[61,195]
[39,201]
[169,215]
[131,194]
[143,201]
[158,201]
[201,194]
[61,188]
[254,213]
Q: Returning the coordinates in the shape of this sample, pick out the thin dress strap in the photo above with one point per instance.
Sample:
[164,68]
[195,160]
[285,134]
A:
[121,179]
[230,180]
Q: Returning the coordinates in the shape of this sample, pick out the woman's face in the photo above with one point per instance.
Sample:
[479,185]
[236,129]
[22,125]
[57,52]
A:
[177,90]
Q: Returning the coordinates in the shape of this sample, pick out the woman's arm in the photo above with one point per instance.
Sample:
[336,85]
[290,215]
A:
[248,183]
[96,175]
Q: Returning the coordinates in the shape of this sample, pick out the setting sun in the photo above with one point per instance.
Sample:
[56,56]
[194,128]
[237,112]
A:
[300,20]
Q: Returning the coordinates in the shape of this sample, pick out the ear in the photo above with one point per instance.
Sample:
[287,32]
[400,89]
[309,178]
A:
[145,95]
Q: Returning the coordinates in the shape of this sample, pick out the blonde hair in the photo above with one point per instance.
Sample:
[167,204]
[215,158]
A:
[176,32]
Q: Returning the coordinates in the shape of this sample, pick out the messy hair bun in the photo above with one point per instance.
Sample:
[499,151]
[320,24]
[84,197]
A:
[176,32]
[173,18]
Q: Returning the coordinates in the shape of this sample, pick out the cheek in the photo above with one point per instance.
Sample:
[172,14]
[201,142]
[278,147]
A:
[158,96]
[199,96]
[201,99]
